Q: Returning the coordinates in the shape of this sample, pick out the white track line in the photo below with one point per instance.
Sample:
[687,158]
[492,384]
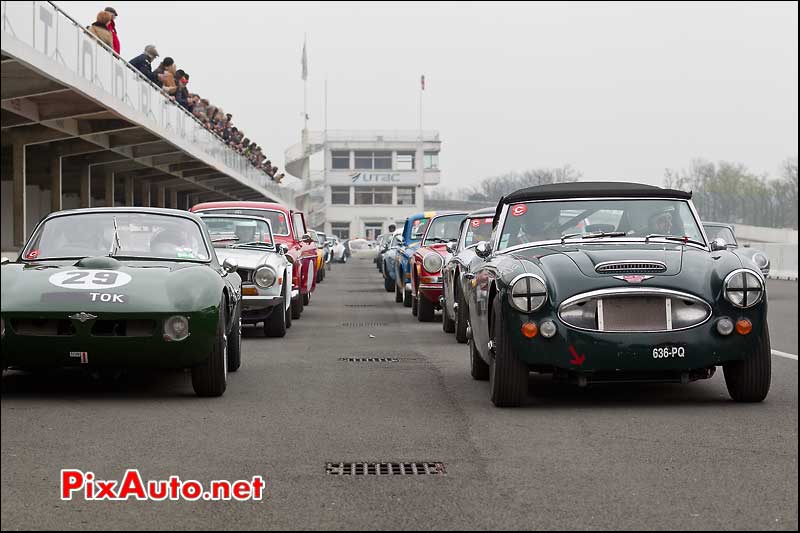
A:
[784,354]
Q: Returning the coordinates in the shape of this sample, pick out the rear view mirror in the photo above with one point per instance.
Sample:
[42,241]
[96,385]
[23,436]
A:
[230,265]
[718,244]
[451,247]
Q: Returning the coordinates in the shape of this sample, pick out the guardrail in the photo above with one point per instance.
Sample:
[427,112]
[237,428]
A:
[50,31]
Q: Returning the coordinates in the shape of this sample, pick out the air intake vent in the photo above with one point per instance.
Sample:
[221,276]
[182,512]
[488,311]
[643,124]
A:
[631,267]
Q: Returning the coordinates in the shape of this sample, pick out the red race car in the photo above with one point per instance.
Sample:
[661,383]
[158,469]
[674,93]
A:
[289,228]
[428,261]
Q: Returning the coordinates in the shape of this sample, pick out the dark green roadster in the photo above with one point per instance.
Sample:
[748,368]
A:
[601,282]
[122,287]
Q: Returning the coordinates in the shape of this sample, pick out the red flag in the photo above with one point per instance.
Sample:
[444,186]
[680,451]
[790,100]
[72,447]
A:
[422,81]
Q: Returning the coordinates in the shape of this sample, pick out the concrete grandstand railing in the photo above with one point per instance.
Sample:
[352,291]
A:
[42,35]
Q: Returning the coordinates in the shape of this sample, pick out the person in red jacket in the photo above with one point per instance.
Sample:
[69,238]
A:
[112,27]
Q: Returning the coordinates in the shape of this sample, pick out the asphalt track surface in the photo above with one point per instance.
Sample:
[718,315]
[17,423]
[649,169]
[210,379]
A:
[604,457]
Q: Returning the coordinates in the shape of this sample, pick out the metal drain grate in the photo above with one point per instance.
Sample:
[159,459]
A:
[385,469]
[360,305]
[363,324]
[370,359]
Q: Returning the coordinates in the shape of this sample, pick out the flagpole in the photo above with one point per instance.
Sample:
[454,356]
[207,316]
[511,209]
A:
[305,85]
[421,152]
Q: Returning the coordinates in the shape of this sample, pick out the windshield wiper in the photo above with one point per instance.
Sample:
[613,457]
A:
[223,239]
[437,239]
[253,243]
[597,235]
[115,244]
[684,238]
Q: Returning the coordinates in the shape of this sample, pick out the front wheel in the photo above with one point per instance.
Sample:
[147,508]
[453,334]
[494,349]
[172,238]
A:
[749,380]
[448,325]
[478,368]
[398,294]
[210,378]
[407,300]
[306,298]
[235,344]
[425,309]
[297,307]
[508,376]
[461,318]
[388,284]
[275,324]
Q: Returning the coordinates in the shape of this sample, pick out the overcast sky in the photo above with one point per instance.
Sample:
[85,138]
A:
[619,91]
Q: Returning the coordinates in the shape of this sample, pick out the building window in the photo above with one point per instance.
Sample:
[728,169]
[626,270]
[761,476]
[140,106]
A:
[340,160]
[341,230]
[340,195]
[406,196]
[373,196]
[373,160]
[372,230]
[432,160]
[405,160]
[383,161]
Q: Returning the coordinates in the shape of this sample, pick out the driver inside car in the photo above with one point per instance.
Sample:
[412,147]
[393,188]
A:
[171,242]
[541,224]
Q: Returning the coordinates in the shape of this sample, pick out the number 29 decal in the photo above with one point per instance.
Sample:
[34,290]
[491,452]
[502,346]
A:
[90,279]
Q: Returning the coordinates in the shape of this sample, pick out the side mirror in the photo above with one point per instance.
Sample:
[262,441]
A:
[230,265]
[718,245]
[283,249]
[307,238]
[483,249]
[451,247]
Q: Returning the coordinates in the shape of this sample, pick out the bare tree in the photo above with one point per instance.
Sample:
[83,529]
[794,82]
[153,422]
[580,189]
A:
[729,192]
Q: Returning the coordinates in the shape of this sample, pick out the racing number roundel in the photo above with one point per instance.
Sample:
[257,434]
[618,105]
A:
[90,279]
[519,210]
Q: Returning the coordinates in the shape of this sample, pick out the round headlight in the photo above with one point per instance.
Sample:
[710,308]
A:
[176,328]
[433,262]
[760,260]
[743,288]
[265,277]
[528,293]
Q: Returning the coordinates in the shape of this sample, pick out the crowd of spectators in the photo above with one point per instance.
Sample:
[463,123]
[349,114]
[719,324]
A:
[174,82]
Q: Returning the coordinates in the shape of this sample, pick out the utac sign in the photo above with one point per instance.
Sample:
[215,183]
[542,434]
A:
[375,177]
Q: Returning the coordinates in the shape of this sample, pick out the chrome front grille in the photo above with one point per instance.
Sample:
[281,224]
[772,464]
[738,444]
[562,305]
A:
[634,310]
[631,267]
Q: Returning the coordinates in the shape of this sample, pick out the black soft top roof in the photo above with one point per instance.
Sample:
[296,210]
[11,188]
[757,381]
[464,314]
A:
[486,211]
[600,189]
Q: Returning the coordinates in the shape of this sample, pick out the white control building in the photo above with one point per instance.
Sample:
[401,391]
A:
[370,179]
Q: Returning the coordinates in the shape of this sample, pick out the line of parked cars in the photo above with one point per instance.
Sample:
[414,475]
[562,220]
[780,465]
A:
[148,287]
[589,282]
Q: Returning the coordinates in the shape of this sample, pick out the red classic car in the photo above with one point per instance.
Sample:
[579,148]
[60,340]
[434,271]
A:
[428,261]
[289,228]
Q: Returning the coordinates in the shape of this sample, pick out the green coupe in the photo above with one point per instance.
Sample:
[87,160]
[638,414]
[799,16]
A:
[123,287]
[601,282]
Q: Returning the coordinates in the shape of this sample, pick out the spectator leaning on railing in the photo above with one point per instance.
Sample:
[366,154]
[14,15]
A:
[174,82]
[112,27]
[143,61]
[99,28]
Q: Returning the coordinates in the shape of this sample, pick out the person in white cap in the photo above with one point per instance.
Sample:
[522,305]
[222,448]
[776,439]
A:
[142,62]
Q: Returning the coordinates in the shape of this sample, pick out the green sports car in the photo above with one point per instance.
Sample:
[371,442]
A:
[597,282]
[123,287]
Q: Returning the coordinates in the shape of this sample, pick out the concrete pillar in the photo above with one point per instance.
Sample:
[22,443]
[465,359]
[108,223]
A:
[173,199]
[55,184]
[129,191]
[160,196]
[187,199]
[86,186]
[20,216]
[146,194]
[110,189]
